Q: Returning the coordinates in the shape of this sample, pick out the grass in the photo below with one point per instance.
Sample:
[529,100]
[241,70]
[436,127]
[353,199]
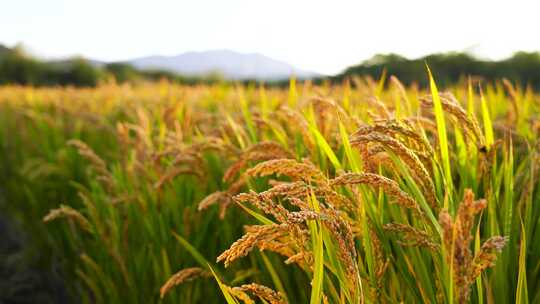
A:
[361,193]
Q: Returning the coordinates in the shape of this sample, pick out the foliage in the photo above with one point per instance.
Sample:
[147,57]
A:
[18,67]
[522,67]
[332,193]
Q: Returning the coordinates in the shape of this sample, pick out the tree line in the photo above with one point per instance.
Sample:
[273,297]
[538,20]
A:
[17,67]
[450,68]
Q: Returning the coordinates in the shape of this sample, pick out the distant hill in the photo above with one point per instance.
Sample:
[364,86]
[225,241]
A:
[230,64]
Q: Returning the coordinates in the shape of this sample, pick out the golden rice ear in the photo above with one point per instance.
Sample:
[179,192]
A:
[264,293]
[289,167]
[457,238]
[174,172]
[182,276]
[70,213]
[250,240]
[264,202]
[381,263]
[97,163]
[413,236]
[403,132]
[514,115]
[467,210]
[380,106]
[451,105]
[296,120]
[211,199]
[422,122]
[486,257]
[403,93]
[240,295]
[417,168]
[392,127]
[330,111]
[261,151]
[447,225]
[389,186]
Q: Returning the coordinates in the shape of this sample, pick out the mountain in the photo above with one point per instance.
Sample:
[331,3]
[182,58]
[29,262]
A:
[229,64]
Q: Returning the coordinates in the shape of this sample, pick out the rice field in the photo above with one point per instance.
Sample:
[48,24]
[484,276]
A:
[365,191]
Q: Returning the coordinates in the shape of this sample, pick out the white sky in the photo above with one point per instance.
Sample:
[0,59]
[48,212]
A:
[319,36]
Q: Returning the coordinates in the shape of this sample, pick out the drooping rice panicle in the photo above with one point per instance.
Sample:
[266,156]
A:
[180,277]
[417,168]
[70,213]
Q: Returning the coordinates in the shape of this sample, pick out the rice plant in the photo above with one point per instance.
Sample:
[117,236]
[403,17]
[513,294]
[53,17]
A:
[362,192]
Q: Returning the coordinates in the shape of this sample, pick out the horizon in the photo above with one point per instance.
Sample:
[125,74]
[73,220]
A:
[36,54]
[318,40]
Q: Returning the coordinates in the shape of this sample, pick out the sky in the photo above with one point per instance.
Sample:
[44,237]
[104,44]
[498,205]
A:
[321,36]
